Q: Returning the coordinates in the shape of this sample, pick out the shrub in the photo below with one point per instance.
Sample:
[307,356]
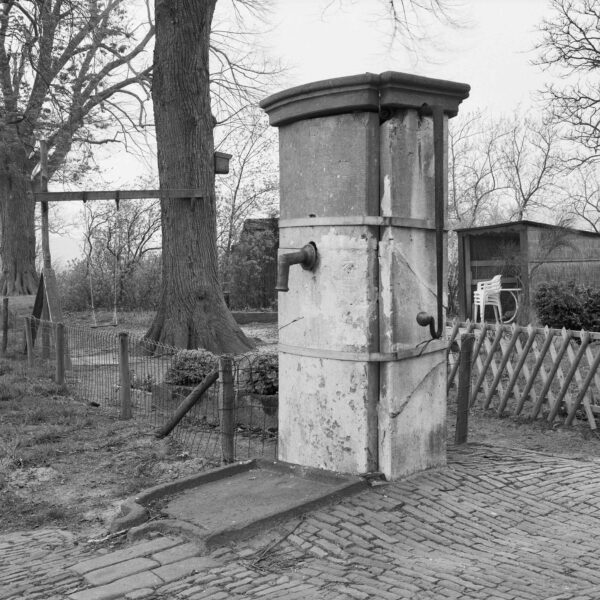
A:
[568,305]
[264,376]
[190,367]
[143,383]
[251,270]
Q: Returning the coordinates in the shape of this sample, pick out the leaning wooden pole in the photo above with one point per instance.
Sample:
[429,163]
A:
[187,404]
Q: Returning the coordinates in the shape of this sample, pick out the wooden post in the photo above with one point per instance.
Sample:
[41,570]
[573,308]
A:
[4,326]
[226,409]
[125,383]
[43,187]
[464,388]
[29,341]
[60,354]
[45,331]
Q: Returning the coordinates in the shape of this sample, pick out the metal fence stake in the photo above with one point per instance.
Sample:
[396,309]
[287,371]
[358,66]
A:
[226,409]
[124,380]
[464,388]
[60,354]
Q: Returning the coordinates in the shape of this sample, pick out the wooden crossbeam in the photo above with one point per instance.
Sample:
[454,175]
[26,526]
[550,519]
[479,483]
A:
[115,195]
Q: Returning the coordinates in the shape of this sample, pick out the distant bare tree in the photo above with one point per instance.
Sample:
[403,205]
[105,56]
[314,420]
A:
[252,183]
[475,182]
[571,45]
[584,195]
[499,171]
[119,238]
[531,163]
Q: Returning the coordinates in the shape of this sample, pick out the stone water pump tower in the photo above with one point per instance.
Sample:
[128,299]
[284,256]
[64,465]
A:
[363,171]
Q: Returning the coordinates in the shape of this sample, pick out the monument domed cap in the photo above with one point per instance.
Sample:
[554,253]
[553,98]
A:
[403,90]
[363,93]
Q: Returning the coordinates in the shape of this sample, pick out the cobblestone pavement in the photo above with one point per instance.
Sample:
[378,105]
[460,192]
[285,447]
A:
[497,524]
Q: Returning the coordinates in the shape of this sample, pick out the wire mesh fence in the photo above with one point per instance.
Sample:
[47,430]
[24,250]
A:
[128,376]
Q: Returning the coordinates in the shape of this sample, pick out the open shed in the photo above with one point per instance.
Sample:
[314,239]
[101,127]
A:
[526,254]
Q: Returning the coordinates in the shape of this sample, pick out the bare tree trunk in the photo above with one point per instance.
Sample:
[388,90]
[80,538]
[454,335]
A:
[17,218]
[192,312]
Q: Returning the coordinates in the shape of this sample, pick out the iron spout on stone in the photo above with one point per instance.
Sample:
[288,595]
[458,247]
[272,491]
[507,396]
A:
[306,257]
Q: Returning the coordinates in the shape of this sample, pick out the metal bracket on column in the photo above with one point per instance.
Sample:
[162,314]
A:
[423,318]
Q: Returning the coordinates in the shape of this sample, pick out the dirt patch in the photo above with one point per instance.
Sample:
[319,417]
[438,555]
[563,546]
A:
[66,463]
[485,427]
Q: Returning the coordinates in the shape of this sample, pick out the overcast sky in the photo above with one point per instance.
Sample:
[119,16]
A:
[318,39]
[492,52]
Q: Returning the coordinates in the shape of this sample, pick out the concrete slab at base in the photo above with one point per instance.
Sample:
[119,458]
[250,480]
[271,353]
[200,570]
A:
[240,500]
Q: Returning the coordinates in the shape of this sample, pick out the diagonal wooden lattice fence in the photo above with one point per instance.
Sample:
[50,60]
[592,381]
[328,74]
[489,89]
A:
[536,372]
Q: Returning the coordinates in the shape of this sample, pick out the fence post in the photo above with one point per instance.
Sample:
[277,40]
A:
[60,354]
[29,341]
[124,382]
[4,326]
[464,388]
[226,408]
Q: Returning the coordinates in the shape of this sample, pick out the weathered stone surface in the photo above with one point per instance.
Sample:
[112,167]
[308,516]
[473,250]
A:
[407,260]
[120,570]
[176,553]
[142,549]
[327,392]
[139,594]
[334,307]
[117,589]
[329,166]
[182,568]
[412,415]
[328,419]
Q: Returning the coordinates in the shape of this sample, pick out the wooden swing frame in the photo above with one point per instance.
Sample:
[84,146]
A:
[47,302]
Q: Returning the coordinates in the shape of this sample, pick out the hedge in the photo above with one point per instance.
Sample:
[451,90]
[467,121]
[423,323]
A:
[569,305]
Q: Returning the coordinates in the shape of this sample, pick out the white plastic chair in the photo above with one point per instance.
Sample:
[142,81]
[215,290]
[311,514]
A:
[488,294]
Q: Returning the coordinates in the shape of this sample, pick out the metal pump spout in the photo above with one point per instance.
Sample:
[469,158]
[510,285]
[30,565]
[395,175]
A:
[306,257]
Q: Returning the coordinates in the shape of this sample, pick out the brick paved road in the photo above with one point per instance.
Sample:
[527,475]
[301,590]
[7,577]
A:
[497,524]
